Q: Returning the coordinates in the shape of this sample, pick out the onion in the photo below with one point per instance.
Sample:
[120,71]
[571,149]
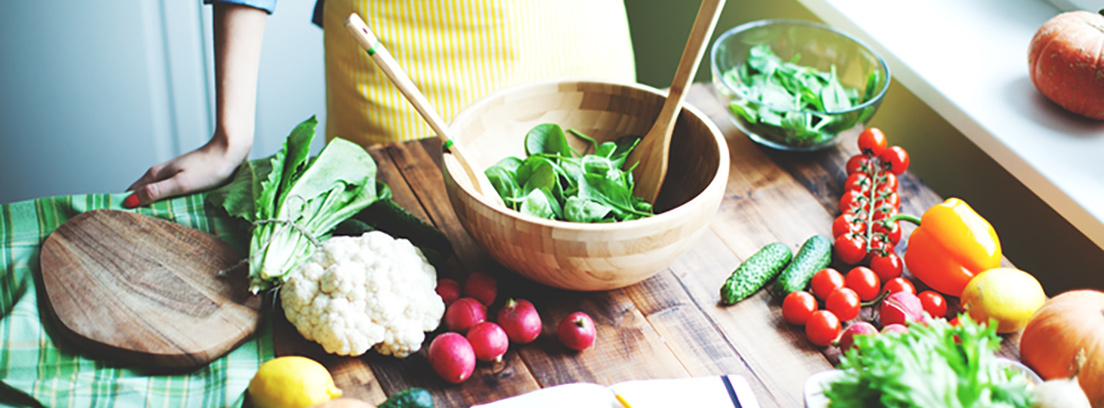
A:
[1063,392]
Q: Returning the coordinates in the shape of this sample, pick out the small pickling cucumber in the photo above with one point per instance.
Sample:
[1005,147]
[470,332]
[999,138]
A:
[755,272]
[409,398]
[815,254]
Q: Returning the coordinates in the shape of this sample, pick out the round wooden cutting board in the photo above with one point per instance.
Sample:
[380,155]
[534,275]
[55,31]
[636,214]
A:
[146,292]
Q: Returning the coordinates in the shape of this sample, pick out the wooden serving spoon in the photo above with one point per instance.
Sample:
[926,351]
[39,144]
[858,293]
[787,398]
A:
[367,40]
[654,148]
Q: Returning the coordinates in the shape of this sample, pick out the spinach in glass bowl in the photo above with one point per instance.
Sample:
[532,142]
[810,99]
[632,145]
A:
[796,85]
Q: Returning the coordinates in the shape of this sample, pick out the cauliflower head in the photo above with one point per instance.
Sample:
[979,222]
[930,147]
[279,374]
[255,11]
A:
[359,292]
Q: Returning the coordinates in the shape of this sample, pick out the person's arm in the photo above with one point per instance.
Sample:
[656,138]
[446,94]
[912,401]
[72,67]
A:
[238,32]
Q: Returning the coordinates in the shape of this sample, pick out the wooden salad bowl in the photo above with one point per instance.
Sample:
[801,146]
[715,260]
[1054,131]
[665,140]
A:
[580,256]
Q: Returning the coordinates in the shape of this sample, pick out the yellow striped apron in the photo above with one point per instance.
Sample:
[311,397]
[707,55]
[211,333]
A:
[458,51]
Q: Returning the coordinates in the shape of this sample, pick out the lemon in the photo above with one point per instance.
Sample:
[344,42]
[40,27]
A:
[1008,295]
[291,382]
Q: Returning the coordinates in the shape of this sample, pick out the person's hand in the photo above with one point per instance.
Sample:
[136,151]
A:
[204,168]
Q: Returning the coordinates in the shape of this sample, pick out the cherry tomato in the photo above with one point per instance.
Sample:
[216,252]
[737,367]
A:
[847,223]
[850,248]
[887,182]
[857,182]
[872,140]
[891,230]
[858,163]
[899,284]
[863,281]
[887,267]
[824,282]
[822,328]
[877,245]
[855,201]
[797,306]
[954,322]
[844,303]
[887,200]
[896,158]
[933,303]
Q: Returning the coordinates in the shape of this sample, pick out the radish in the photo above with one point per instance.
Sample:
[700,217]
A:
[481,286]
[894,328]
[464,313]
[520,320]
[902,308]
[847,339]
[576,331]
[452,357]
[448,290]
[489,341]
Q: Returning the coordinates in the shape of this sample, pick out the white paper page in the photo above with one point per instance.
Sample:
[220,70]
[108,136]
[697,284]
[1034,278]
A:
[699,392]
[577,395]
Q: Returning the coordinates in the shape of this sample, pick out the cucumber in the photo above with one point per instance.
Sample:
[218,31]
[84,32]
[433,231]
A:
[409,398]
[815,254]
[755,272]
[387,216]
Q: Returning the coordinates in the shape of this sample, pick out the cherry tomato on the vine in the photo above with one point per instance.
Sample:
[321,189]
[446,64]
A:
[858,163]
[872,140]
[933,303]
[822,328]
[888,200]
[847,223]
[863,281]
[844,303]
[824,282]
[891,230]
[887,182]
[896,158]
[858,182]
[850,248]
[797,306]
[876,245]
[898,284]
[887,266]
[854,200]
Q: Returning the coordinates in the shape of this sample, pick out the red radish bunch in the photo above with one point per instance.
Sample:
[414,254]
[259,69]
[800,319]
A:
[481,287]
[452,357]
[464,313]
[576,331]
[489,341]
[448,290]
[865,231]
[520,320]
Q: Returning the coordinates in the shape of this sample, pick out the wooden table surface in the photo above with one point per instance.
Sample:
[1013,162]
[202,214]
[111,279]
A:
[669,326]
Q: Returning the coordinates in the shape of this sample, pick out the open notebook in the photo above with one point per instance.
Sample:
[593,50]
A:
[730,391]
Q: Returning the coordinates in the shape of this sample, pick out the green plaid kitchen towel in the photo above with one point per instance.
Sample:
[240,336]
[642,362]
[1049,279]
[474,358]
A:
[34,371]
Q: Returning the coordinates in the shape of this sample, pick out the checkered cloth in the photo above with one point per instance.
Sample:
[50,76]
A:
[34,371]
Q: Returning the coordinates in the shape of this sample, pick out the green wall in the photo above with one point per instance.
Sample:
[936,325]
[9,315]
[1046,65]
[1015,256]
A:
[1033,236]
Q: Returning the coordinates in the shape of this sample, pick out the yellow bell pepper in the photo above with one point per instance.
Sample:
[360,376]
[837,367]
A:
[952,244]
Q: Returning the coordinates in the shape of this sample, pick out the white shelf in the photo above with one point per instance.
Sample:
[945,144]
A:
[968,61]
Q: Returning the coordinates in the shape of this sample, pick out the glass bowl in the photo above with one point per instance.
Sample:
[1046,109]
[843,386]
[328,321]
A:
[822,84]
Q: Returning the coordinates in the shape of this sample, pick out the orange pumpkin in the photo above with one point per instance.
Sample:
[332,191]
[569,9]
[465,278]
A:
[1068,323]
[1066,62]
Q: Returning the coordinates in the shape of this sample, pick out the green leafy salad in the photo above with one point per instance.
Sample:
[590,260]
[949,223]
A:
[554,181]
[793,104]
[932,365]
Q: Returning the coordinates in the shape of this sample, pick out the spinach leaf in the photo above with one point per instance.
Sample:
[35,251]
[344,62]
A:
[781,99]
[547,138]
[555,181]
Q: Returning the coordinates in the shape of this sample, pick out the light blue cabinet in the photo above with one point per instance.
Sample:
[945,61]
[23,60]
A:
[93,93]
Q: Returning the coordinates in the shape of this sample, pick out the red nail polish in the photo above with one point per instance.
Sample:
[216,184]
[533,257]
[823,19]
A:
[131,201]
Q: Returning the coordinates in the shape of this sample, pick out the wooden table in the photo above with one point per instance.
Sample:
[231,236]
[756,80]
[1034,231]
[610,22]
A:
[668,326]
